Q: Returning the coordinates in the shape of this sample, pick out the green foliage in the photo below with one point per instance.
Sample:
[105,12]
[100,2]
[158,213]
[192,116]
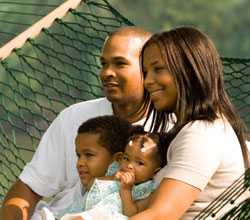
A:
[226,22]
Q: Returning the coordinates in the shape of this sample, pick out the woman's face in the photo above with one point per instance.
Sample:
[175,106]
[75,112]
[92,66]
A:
[158,80]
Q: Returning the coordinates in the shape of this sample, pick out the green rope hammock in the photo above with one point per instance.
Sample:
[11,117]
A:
[60,67]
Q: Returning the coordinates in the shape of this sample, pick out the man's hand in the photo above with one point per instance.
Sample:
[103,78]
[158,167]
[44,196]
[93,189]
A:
[19,202]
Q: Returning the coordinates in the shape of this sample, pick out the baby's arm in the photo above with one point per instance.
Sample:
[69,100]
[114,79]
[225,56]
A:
[127,180]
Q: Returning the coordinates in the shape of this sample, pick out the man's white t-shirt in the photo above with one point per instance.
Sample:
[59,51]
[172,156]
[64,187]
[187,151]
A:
[206,155]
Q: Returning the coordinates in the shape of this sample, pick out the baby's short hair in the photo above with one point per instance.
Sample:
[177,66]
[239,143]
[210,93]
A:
[114,131]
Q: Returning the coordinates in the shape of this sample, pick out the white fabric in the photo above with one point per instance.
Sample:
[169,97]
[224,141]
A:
[46,214]
[203,155]
[52,170]
[84,215]
[207,156]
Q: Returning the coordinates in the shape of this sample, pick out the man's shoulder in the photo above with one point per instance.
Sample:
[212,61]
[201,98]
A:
[93,103]
[90,108]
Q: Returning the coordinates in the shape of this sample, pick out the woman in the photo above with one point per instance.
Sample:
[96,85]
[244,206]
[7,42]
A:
[183,74]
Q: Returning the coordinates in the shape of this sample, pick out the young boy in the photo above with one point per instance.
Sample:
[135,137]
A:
[99,142]
[144,155]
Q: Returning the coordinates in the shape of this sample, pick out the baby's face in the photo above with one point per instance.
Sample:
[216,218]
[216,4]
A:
[93,159]
[142,161]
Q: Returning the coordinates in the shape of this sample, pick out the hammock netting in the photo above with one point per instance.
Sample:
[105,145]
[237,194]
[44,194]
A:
[60,67]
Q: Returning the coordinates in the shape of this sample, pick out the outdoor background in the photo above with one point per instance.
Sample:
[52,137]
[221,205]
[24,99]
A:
[61,65]
[226,21]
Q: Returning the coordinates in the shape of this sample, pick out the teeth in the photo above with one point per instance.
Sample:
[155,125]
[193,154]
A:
[158,90]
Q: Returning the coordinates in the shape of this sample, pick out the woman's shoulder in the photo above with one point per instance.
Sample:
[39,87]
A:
[207,128]
[205,137]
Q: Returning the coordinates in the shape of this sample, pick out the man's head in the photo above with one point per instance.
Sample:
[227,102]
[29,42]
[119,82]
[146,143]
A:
[99,142]
[120,74]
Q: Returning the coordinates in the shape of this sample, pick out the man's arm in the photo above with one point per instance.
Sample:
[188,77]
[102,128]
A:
[19,203]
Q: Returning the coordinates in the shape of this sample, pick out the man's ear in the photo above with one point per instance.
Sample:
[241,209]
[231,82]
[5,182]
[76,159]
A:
[118,157]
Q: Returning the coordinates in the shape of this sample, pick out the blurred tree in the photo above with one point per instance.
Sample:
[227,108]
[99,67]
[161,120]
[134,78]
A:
[226,22]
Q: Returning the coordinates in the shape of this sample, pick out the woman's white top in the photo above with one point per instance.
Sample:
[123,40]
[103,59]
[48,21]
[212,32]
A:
[206,155]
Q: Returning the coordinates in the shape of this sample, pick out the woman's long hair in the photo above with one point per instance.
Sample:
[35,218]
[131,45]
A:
[191,57]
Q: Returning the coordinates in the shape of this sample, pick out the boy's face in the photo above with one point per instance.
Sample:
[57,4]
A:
[144,164]
[93,159]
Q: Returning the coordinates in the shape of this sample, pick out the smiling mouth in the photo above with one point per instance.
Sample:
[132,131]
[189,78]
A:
[110,84]
[111,87]
[155,92]
[83,174]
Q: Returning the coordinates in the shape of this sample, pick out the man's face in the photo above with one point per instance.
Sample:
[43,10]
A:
[93,159]
[120,74]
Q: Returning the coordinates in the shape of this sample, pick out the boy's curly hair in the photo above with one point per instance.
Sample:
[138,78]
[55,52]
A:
[114,131]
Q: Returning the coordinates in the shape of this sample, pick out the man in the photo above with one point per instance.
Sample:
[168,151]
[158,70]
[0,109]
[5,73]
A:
[52,171]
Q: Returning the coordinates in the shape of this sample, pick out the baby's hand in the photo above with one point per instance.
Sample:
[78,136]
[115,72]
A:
[126,178]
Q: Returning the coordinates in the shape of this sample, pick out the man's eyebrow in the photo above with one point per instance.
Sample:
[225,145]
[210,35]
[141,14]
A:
[114,58]
[119,58]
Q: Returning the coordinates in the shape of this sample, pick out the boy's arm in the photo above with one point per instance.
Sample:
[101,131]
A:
[19,203]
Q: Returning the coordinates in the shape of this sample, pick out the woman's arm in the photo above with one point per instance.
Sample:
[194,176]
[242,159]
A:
[169,201]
